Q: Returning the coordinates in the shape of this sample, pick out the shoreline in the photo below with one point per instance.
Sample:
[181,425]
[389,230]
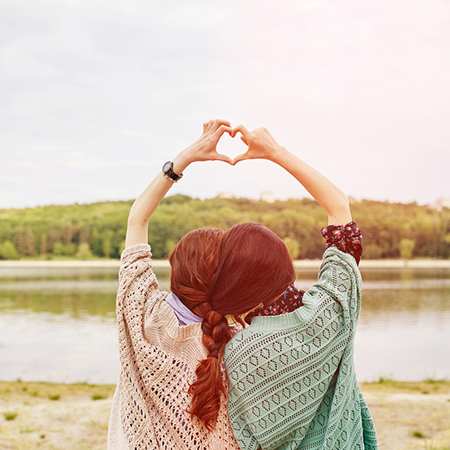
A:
[164,263]
[75,416]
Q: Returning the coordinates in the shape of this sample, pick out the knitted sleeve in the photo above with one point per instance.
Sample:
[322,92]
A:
[140,362]
[137,284]
[340,280]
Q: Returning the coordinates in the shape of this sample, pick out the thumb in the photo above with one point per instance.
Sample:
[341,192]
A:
[239,158]
[224,158]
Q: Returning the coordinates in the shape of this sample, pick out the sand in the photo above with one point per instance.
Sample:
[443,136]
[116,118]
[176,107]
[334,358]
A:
[407,416]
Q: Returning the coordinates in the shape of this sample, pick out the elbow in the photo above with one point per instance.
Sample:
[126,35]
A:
[344,203]
[135,219]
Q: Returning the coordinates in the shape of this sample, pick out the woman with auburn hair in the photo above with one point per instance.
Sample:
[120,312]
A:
[160,335]
[292,382]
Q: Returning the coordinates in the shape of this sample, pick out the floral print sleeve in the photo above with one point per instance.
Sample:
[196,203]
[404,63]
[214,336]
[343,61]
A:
[346,238]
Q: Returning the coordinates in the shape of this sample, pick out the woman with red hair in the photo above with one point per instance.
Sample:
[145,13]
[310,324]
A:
[292,381]
[160,335]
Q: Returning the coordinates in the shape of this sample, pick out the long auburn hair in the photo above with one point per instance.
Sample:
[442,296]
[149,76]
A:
[254,267]
[193,261]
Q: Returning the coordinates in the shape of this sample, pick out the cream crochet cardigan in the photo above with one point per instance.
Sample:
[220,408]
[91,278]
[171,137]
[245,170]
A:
[158,361]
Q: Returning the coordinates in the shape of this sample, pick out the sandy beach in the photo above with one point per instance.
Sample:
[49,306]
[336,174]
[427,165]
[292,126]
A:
[408,416]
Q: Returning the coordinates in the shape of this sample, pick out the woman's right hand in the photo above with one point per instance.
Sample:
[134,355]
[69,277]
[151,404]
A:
[261,144]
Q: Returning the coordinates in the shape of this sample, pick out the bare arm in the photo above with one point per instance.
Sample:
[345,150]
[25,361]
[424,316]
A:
[261,145]
[204,149]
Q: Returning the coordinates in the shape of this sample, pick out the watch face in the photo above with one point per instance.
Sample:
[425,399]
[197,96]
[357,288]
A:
[167,166]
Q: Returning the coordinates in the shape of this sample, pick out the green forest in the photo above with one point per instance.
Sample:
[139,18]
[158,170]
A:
[97,230]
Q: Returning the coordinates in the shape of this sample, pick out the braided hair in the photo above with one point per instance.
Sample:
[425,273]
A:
[253,267]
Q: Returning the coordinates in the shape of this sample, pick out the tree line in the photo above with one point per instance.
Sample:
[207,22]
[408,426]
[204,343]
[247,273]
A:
[97,230]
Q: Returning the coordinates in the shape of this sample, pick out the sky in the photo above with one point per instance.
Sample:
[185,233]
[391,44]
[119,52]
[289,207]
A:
[96,95]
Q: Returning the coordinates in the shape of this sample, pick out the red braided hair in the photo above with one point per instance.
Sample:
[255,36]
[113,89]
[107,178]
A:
[254,267]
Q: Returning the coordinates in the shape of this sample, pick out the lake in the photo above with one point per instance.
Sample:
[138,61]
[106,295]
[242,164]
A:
[58,324]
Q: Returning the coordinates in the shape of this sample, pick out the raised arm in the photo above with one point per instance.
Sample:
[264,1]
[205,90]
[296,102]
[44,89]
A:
[262,145]
[204,149]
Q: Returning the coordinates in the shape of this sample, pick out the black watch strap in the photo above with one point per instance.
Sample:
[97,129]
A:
[168,172]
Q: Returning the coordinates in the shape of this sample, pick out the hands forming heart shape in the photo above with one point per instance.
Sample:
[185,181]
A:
[260,143]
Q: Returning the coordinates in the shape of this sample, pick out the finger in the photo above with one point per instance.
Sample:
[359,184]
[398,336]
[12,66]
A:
[239,158]
[241,129]
[223,129]
[219,122]
[207,125]
[244,140]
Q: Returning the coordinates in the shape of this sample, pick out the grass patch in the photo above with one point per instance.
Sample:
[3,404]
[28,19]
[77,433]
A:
[9,389]
[434,380]
[389,385]
[431,446]
[10,415]
[98,397]
[418,434]
[54,397]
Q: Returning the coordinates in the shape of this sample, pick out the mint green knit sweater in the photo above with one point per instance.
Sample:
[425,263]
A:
[292,377]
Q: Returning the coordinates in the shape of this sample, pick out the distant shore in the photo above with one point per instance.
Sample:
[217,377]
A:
[163,263]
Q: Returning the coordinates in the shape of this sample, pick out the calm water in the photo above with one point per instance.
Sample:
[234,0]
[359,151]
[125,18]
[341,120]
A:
[59,324]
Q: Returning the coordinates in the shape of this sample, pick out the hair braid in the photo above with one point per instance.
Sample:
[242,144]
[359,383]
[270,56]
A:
[208,387]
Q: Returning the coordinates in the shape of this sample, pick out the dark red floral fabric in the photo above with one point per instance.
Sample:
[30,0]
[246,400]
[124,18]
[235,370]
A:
[346,238]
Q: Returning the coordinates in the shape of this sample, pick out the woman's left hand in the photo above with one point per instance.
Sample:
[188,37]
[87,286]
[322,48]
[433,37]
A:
[204,149]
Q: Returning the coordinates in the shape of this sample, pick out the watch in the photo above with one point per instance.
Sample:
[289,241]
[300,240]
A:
[168,172]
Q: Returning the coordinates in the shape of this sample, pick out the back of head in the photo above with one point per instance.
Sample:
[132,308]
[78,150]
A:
[193,261]
[254,267]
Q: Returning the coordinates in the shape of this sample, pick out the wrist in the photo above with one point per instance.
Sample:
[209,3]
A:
[181,162]
[279,155]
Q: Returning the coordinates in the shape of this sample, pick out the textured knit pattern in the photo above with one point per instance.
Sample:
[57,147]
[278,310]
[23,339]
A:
[292,376]
[158,361]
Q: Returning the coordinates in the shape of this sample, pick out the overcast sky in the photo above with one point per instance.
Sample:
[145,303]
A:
[96,95]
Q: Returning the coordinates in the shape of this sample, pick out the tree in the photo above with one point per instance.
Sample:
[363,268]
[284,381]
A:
[29,241]
[60,249]
[106,244]
[170,244]
[293,247]
[43,244]
[371,251]
[84,252]
[19,241]
[8,251]
[406,248]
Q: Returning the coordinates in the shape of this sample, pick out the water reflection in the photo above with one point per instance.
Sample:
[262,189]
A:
[59,324]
